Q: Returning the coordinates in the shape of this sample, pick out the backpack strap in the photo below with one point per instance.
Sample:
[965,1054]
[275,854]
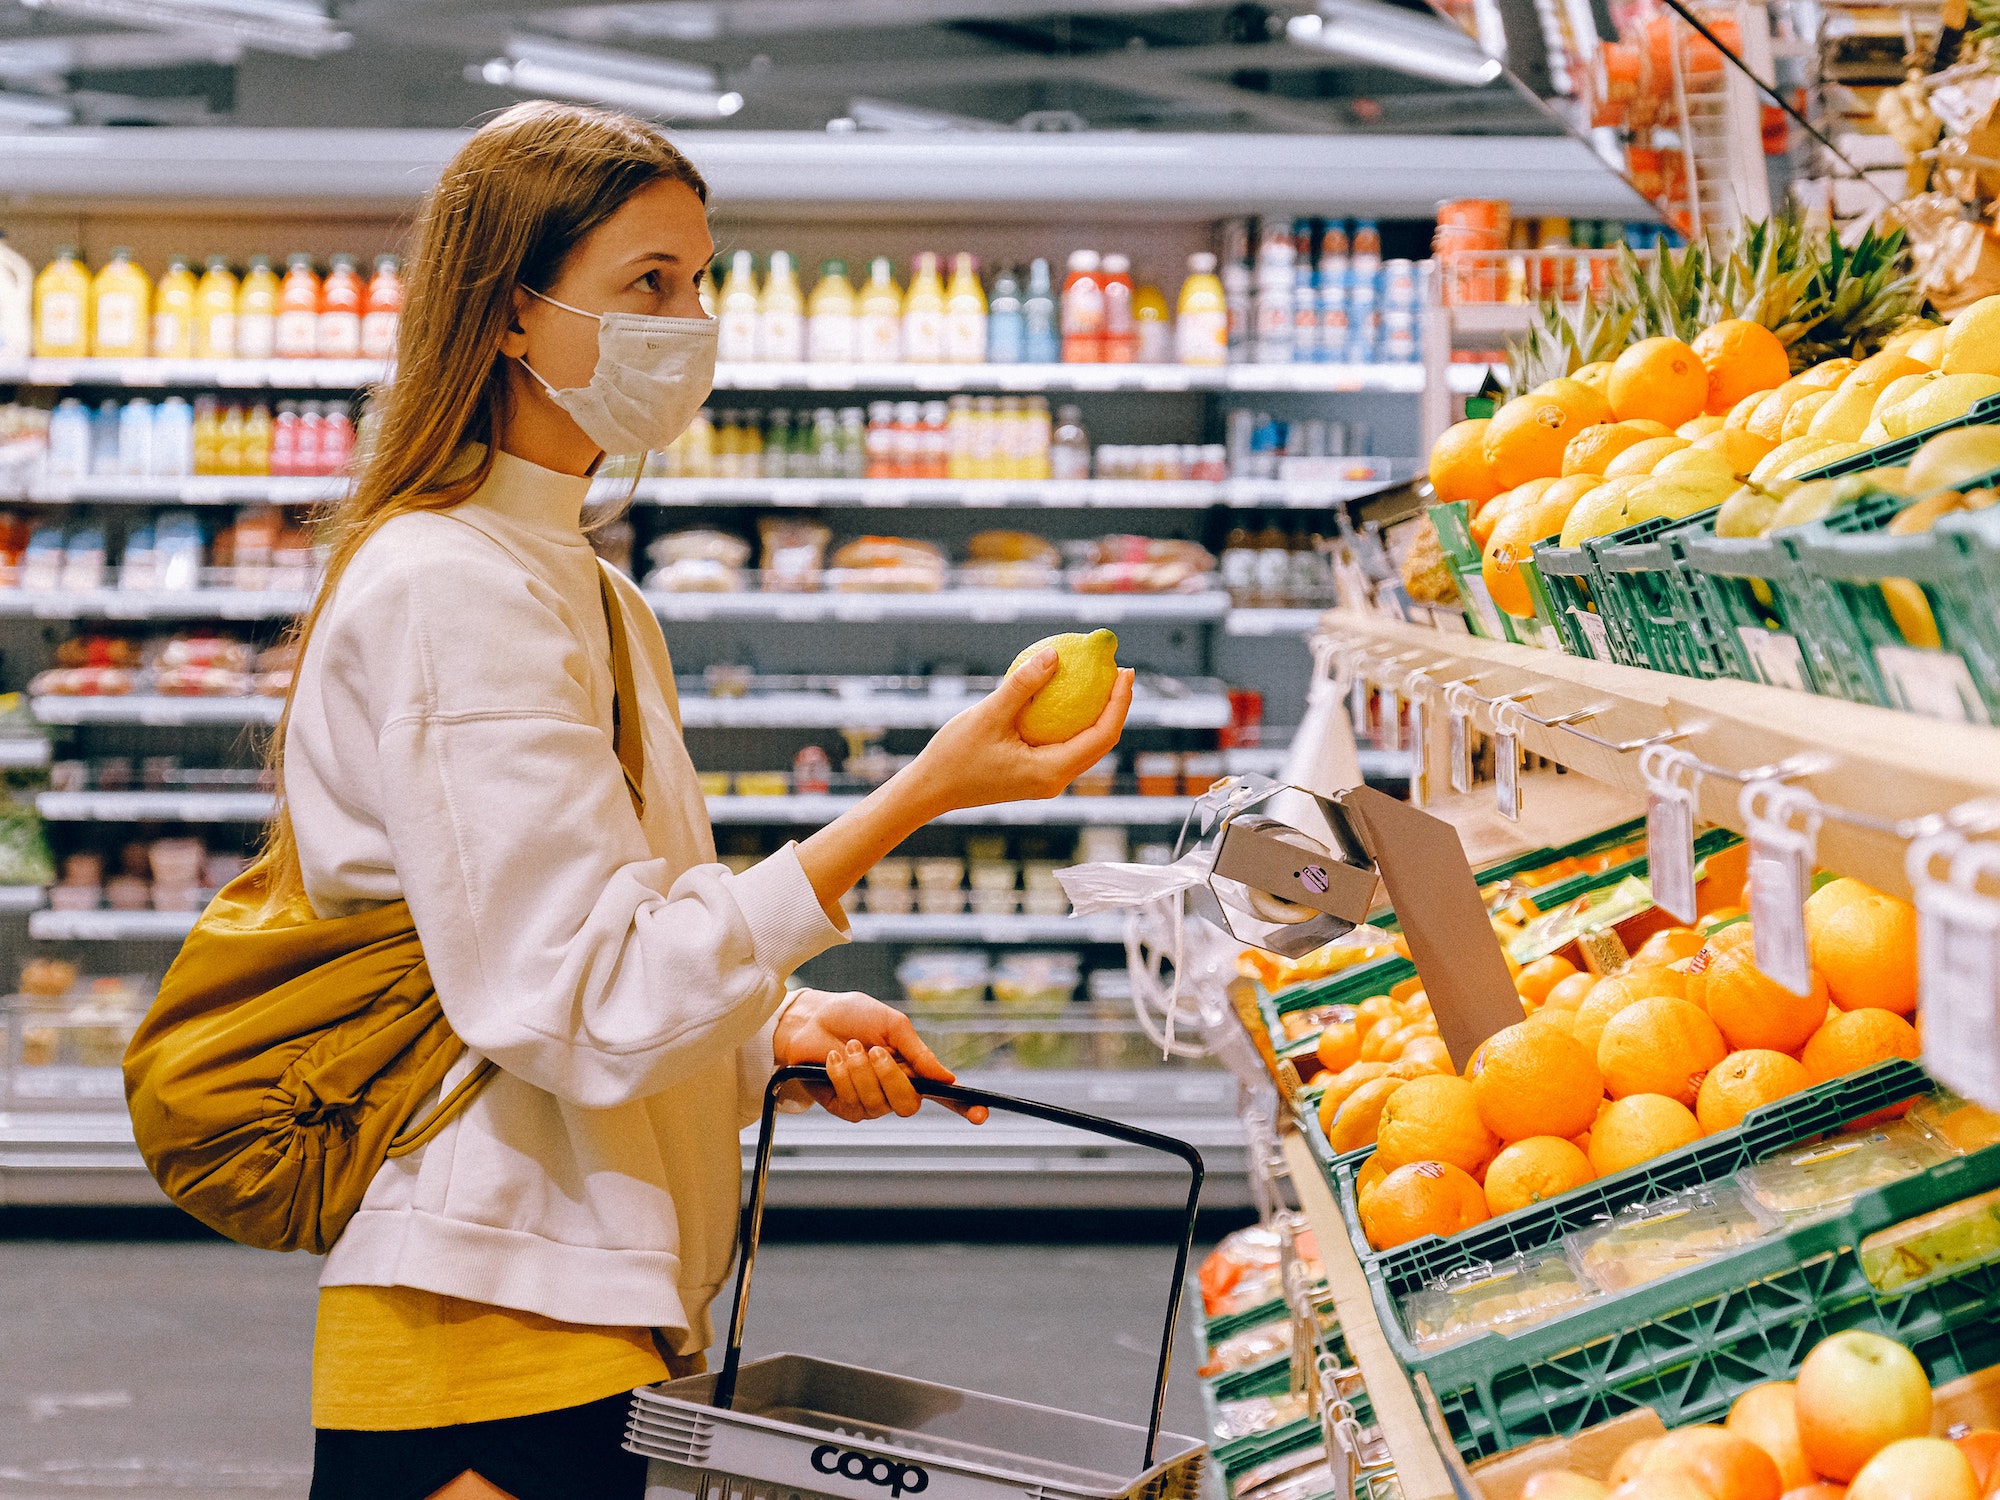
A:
[627,732]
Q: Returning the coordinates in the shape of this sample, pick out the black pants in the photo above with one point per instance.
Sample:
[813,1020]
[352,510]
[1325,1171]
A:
[573,1454]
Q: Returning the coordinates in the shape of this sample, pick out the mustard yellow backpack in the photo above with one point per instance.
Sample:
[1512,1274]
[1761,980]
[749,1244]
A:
[287,1055]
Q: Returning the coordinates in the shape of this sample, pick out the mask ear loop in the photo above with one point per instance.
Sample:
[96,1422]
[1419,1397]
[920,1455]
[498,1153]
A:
[597,318]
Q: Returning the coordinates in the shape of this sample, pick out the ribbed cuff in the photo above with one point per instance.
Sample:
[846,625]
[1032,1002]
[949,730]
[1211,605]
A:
[787,923]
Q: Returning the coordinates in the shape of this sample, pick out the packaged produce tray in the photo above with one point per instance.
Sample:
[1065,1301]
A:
[1689,1343]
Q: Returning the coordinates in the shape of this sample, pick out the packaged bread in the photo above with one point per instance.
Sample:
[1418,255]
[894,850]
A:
[1143,565]
[793,556]
[699,561]
[888,564]
[1011,560]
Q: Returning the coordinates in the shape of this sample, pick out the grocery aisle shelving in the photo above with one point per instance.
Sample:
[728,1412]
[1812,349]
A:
[991,606]
[1203,708]
[153,604]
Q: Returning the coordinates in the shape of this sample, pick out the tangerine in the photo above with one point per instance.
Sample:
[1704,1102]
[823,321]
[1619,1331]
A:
[1667,946]
[1858,1039]
[1435,1119]
[1638,1128]
[1768,1416]
[1596,375]
[1423,1197]
[1660,378]
[1740,357]
[1533,1079]
[1614,992]
[1513,542]
[1569,993]
[1459,467]
[1537,979]
[1526,437]
[1642,458]
[1865,943]
[1355,1122]
[1344,1083]
[1752,1008]
[1339,1046]
[1743,450]
[1594,447]
[1726,1465]
[1659,1046]
[1425,1054]
[1367,1179]
[1541,1166]
[1744,1081]
[1981,1448]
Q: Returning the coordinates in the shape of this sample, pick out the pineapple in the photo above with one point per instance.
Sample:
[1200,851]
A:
[1564,338]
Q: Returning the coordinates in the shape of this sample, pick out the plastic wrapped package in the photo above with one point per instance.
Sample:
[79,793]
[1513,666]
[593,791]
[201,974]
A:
[1251,1346]
[1037,980]
[1804,1183]
[1959,1123]
[1959,1234]
[1255,1414]
[1503,1296]
[888,564]
[1650,1240]
[1011,560]
[24,847]
[1123,564]
[699,561]
[793,554]
[1243,1259]
[940,978]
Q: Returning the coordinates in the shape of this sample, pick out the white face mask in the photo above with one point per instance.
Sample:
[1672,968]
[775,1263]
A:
[651,378]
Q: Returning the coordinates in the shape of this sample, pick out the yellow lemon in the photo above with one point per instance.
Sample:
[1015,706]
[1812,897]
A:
[1907,335]
[1690,463]
[1746,513]
[1781,457]
[1799,418]
[1941,400]
[1740,413]
[1070,702]
[1742,449]
[1928,348]
[1640,457]
[1599,512]
[1972,342]
[1951,459]
[1842,418]
[1827,374]
[1697,428]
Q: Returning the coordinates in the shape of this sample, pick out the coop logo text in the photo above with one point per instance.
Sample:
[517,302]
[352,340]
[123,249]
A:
[898,1479]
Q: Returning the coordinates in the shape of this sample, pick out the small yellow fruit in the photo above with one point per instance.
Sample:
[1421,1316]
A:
[1596,375]
[1742,449]
[1828,374]
[1952,458]
[1599,512]
[1928,348]
[1799,418]
[1941,400]
[1740,413]
[1071,701]
[1689,463]
[1746,513]
[1900,341]
[1640,457]
[1972,342]
[1813,459]
[1697,428]
[1785,454]
[1843,418]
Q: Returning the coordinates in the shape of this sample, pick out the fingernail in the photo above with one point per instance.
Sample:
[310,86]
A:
[880,1054]
[1048,655]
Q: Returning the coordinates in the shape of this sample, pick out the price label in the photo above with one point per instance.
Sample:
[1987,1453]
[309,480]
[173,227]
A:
[1670,853]
[1507,775]
[1592,626]
[1780,880]
[1357,704]
[1958,955]
[1391,711]
[1420,770]
[1774,656]
[1932,683]
[1461,752]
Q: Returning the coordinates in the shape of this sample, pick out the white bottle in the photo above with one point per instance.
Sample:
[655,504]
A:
[17,295]
[736,339]
[781,321]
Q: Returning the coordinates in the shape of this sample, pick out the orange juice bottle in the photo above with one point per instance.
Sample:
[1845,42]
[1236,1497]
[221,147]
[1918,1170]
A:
[257,311]
[121,308]
[338,333]
[923,313]
[62,307]
[256,449]
[215,311]
[173,312]
[297,334]
[229,442]
[207,436]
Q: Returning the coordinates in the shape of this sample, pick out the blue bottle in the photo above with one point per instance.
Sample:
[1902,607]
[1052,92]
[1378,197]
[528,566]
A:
[1041,339]
[104,423]
[1006,323]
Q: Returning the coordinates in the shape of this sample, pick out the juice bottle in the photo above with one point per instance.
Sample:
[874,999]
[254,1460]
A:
[257,310]
[1041,339]
[1201,331]
[336,438]
[173,312]
[781,314]
[229,441]
[215,311]
[879,326]
[17,304]
[1006,331]
[306,457]
[832,330]
[295,334]
[736,339]
[1121,339]
[965,314]
[1152,326]
[256,451]
[958,438]
[207,436]
[285,439]
[121,307]
[1038,438]
[1083,310]
[923,314]
[337,334]
[382,319]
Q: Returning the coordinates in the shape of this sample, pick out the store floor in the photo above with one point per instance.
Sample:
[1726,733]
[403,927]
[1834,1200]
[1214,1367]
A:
[164,1370]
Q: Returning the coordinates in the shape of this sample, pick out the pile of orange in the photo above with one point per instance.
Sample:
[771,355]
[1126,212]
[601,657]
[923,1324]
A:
[1608,1071]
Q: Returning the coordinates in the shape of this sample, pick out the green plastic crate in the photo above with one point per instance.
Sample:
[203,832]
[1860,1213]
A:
[1563,586]
[1689,1344]
[1482,617]
[1899,450]
[1653,609]
[1959,679]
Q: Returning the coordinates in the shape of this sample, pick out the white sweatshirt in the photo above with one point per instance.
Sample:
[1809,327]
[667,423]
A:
[450,743]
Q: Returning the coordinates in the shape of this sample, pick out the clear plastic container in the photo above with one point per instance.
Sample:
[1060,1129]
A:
[1959,1234]
[1503,1296]
[1037,980]
[1651,1240]
[940,874]
[942,978]
[1802,1184]
[1962,1125]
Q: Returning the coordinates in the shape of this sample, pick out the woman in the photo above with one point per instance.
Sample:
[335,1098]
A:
[450,741]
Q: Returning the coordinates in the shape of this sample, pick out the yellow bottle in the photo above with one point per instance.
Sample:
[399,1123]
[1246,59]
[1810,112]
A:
[831,329]
[173,312]
[923,313]
[881,319]
[736,339]
[781,314]
[229,442]
[257,311]
[207,436]
[965,314]
[215,311]
[1201,332]
[256,450]
[1153,326]
[121,309]
[62,308]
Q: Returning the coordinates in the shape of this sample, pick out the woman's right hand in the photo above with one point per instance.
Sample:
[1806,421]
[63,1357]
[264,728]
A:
[979,757]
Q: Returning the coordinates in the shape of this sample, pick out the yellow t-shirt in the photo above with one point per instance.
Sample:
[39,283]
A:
[387,1358]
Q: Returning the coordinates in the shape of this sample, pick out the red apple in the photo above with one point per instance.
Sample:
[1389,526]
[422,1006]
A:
[1769,1417]
[1856,1394]
[1560,1484]
[1924,1468]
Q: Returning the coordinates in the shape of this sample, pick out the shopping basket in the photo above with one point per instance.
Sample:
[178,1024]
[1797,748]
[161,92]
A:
[791,1427]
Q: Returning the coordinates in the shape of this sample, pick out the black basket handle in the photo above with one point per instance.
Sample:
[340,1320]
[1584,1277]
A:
[753,1215]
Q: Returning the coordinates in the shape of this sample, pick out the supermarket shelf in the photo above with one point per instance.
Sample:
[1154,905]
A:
[881,711]
[890,927]
[1488,320]
[111,926]
[1273,621]
[234,374]
[977,494]
[993,606]
[18,898]
[151,807]
[85,1154]
[23,753]
[146,708]
[153,604]
[196,489]
[1887,766]
[1420,1467]
[1137,812]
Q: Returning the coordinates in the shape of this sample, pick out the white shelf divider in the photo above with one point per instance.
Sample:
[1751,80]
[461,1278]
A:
[17,898]
[23,753]
[146,708]
[1261,622]
[153,604]
[111,926]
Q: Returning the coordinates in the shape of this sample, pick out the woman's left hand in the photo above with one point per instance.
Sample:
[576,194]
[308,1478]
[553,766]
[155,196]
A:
[868,1049]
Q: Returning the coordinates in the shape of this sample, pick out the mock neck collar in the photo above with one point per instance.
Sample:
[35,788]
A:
[534,497]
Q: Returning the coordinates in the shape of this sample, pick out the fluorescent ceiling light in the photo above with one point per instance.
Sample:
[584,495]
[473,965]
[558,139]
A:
[20,112]
[53,56]
[885,114]
[299,30]
[645,85]
[1391,37]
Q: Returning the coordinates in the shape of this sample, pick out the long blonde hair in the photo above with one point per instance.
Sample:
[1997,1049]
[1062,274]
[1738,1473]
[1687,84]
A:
[519,196]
